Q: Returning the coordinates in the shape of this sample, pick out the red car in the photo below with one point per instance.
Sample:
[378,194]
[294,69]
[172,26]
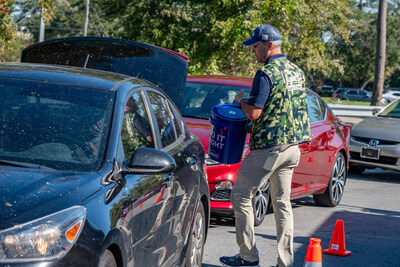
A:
[323,166]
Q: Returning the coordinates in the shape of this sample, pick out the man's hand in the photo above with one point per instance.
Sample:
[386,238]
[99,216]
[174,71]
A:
[239,96]
[251,112]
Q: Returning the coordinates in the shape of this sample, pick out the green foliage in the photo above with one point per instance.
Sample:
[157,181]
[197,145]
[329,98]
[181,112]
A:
[211,32]
[8,43]
[7,30]
[13,52]
[47,9]
[68,20]
[358,57]
[330,100]
[330,39]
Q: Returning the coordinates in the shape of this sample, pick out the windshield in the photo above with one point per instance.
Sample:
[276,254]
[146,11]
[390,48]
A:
[200,98]
[392,110]
[57,126]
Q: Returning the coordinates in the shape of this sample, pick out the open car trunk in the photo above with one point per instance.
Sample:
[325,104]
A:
[162,67]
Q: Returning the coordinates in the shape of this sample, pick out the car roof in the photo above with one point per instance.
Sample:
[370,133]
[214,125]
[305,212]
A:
[61,74]
[221,79]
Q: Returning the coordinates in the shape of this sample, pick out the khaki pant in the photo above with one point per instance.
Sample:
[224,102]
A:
[257,167]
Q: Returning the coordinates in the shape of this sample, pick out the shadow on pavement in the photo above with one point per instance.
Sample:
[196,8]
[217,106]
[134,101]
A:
[386,176]
[373,236]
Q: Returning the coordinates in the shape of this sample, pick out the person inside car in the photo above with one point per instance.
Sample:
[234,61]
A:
[138,131]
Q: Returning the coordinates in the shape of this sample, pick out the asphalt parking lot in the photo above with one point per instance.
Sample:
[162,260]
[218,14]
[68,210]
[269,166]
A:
[370,209]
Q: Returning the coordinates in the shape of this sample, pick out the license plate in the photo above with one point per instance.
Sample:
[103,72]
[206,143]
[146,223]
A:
[370,153]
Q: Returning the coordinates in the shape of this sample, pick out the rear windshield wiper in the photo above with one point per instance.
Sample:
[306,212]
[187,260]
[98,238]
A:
[23,164]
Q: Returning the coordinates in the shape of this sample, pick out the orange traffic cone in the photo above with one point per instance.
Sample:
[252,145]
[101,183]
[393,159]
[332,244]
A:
[314,254]
[338,243]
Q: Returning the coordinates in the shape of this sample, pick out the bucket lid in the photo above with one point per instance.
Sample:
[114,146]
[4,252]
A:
[228,114]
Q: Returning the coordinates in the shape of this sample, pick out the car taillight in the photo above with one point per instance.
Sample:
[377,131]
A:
[334,96]
[186,58]
[346,129]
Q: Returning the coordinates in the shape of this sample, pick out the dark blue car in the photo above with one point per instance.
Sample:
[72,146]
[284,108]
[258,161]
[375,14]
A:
[97,169]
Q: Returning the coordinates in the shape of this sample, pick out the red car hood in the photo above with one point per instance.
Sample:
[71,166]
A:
[200,128]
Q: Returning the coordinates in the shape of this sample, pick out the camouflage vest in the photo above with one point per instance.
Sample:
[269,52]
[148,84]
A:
[284,118]
[131,137]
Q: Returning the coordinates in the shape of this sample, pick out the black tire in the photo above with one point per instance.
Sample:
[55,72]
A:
[194,255]
[356,169]
[261,204]
[107,259]
[334,191]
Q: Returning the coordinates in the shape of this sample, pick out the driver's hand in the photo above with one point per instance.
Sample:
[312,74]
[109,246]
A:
[239,95]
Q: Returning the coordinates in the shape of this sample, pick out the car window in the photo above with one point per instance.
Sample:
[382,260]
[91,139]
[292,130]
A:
[136,129]
[164,117]
[352,92]
[322,107]
[340,91]
[200,98]
[176,118]
[54,125]
[363,93]
[393,110]
[314,109]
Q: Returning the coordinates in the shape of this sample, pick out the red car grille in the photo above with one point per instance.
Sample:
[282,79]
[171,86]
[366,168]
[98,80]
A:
[221,195]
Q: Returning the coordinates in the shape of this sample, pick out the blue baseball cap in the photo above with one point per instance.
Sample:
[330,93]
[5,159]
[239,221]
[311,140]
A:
[263,33]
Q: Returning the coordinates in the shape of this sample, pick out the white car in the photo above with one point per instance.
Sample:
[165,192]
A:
[391,95]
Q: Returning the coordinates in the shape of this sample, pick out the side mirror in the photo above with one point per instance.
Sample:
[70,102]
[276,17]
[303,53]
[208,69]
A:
[147,160]
[375,111]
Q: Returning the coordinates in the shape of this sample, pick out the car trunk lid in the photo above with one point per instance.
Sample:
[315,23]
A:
[162,67]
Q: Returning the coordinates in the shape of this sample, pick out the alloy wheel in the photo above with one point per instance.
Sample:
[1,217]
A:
[197,240]
[261,203]
[338,178]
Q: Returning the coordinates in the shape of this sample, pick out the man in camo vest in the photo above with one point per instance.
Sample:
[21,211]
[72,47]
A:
[277,109]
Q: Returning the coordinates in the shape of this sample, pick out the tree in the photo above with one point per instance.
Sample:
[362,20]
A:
[380,54]
[68,21]
[8,30]
[358,57]
[211,32]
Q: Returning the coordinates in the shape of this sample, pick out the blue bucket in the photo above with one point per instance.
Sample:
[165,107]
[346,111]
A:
[228,133]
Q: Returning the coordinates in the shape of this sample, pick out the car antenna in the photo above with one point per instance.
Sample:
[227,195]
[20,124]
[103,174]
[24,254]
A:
[86,61]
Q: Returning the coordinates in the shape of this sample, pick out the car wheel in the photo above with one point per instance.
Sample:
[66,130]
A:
[107,259]
[261,204]
[194,256]
[334,191]
[357,169]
